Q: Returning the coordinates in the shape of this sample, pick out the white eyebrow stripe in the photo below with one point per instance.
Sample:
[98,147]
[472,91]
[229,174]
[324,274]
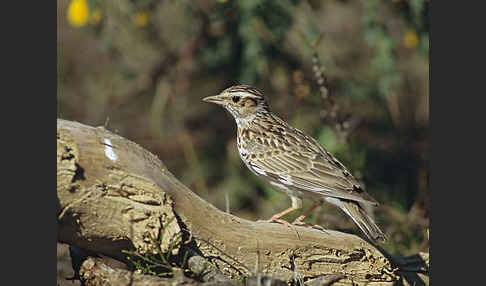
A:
[109,152]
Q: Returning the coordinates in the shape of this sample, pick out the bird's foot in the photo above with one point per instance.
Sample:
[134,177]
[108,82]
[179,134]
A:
[274,219]
[281,221]
[304,224]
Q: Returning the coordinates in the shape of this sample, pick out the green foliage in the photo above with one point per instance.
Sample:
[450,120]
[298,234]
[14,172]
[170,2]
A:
[156,265]
[383,62]
[252,27]
[157,262]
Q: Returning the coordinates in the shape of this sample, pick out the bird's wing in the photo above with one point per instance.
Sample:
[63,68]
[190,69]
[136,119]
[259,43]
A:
[308,167]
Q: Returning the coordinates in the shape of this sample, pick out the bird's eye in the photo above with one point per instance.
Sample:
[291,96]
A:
[235,99]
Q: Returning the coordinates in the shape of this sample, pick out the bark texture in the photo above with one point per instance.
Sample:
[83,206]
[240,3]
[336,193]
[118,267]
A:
[114,195]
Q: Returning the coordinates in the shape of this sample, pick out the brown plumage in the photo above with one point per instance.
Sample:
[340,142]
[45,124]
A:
[292,162]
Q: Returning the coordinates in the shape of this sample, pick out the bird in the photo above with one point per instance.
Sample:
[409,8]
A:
[292,162]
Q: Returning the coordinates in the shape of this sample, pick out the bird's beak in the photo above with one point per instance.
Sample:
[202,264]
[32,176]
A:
[214,99]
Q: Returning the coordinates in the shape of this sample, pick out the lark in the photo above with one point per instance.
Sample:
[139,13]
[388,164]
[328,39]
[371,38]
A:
[292,162]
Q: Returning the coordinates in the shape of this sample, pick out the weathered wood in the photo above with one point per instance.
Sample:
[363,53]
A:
[115,195]
[95,272]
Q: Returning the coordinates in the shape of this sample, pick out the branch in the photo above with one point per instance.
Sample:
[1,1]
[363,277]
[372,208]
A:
[114,195]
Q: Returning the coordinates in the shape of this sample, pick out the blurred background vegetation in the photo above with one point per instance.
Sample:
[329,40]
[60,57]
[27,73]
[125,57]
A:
[353,74]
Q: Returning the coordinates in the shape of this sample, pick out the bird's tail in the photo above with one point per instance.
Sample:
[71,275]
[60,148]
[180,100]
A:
[363,220]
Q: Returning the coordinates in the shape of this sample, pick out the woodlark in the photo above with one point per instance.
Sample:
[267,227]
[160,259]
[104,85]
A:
[292,162]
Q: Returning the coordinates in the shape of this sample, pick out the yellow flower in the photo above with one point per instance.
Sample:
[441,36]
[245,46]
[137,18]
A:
[410,40]
[140,19]
[78,13]
[95,17]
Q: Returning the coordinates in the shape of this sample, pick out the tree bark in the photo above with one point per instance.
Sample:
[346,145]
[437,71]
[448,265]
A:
[114,195]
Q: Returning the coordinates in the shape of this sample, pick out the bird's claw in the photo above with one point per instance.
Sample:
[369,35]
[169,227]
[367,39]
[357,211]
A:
[304,224]
[281,221]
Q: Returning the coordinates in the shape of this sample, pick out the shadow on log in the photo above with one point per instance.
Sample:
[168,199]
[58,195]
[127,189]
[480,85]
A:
[114,195]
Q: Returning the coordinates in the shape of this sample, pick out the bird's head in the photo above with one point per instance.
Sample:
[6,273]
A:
[244,102]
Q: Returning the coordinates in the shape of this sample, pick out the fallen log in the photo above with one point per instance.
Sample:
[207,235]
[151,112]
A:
[113,195]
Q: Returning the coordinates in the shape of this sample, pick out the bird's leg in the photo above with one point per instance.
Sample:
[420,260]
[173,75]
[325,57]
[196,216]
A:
[296,204]
[276,218]
[300,220]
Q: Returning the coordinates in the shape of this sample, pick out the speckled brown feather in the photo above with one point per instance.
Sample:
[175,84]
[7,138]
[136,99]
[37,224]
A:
[281,150]
[291,161]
